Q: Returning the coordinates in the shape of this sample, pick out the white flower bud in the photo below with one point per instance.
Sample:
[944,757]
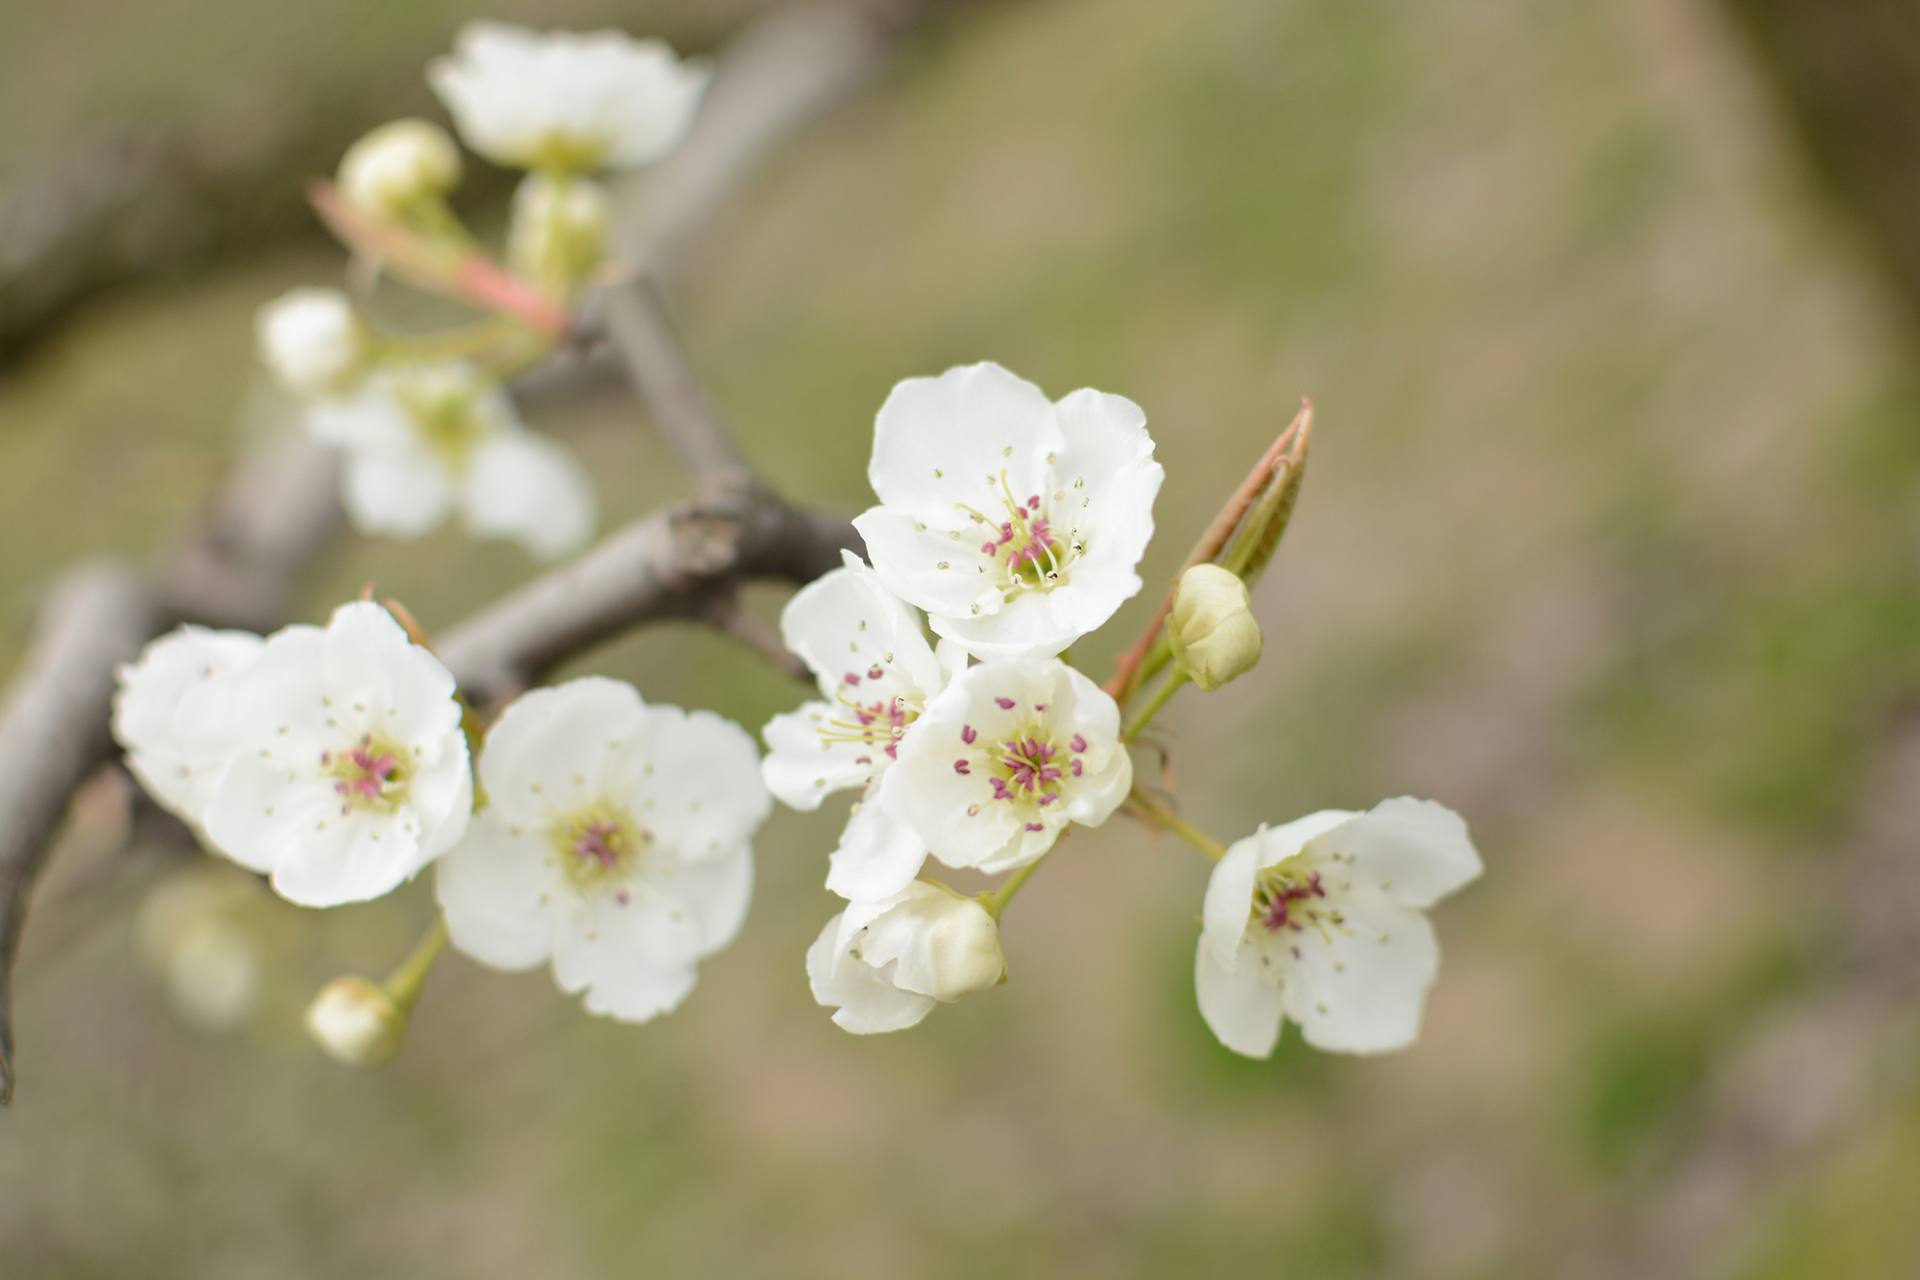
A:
[559,230]
[1212,630]
[311,340]
[884,965]
[356,1022]
[398,165]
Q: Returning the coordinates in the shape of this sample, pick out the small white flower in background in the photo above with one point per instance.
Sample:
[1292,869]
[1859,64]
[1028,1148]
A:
[1322,921]
[172,714]
[1004,760]
[422,440]
[356,1022]
[558,235]
[615,842]
[561,100]
[1016,523]
[876,673]
[311,341]
[347,769]
[397,167]
[882,966]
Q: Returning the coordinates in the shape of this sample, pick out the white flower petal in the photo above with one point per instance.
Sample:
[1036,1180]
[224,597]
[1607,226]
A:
[1413,851]
[1240,1004]
[716,892]
[523,486]
[495,890]
[172,713]
[399,490]
[1229,901]
[802,768]
[877,856]
[1361,988]
[938,441]
[863,1001]
[699,778]
[550,751]
[861,641]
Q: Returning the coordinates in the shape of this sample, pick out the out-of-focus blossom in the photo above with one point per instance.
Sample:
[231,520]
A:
[566,101]
[399,167]
[311,341]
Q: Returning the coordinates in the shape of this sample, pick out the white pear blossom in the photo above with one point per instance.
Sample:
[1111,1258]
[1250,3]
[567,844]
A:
[172,714]
[615,843]
[346,770]
[1016,523]
[357,1022]
[1004,760]
[311,341]
[876,673]
[423,440]
[883,965]
[397,166]
[1322,921]
[566,100]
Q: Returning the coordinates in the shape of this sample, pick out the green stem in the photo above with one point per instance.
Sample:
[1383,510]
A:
[1161,697]
[997,901]
[1167,820]
[403,984]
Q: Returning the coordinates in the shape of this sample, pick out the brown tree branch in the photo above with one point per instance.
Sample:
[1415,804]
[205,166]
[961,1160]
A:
[276,511]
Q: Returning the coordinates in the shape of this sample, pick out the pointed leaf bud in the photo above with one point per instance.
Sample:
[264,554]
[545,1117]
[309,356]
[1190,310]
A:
[397,166]
[356,1022]
[1212,630]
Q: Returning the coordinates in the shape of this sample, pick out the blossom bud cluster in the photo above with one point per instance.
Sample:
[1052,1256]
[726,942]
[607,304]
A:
[425,426]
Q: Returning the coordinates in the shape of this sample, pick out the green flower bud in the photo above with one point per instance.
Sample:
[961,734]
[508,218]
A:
[357,1022]
[558,235]
[1212,630]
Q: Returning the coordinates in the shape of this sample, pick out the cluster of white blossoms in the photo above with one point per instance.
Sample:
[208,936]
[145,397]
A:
[613,837]
[1017,525]
[424,422]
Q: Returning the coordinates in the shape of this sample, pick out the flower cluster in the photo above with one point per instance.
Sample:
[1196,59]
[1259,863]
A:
[1016,525]
[614,839]
[424,421]
[610,838]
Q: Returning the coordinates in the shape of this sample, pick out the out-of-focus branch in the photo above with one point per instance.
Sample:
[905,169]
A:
[683,563]
[279,507]
[100,616]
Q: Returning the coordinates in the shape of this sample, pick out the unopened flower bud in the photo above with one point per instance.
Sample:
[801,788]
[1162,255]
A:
[1212,630]
[311,340]
[397,166]
[559,230]
[356,1022]
[884,965]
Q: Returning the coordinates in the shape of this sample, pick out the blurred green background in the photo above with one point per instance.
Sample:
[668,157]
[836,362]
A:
[1609,541]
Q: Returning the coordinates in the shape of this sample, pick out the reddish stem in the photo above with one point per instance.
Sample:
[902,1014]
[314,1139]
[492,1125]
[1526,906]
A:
[1213,541]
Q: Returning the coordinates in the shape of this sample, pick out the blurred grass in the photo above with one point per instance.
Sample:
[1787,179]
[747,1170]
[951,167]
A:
[1609,541]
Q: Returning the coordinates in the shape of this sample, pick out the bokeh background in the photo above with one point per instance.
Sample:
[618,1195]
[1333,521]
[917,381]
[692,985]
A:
[1609,541]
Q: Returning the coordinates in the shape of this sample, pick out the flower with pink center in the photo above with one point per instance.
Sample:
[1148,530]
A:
[345,768]
[1323,921]
[1004,760]
[1017,523]
[616,844]
[875,672]
[173,716]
